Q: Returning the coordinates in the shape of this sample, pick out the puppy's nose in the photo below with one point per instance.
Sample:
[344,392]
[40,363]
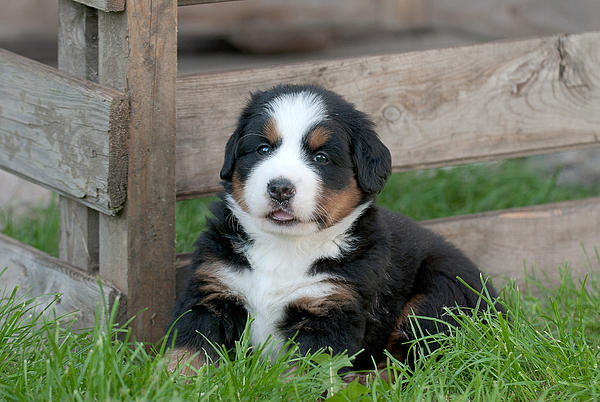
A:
[281,189]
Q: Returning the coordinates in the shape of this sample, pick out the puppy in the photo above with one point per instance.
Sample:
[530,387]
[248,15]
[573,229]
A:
[298,245]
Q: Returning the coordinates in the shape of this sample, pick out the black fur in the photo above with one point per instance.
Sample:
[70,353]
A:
[394,265]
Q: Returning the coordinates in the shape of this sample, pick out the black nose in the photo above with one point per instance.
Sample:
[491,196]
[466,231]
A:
[281,189]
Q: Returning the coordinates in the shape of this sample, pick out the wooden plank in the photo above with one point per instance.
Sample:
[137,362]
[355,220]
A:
[543,237]
[78,56]
[119,5]
[104,5]
[138,53]
[79,235]
[431,108]
[192,2]
[515,18]
[280,26]
[36,273]
[63,133]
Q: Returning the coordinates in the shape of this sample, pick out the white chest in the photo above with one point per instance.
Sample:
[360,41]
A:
[279,275]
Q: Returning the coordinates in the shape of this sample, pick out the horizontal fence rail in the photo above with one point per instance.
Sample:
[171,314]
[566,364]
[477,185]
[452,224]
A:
[104,5]
[431,108]
[542,237]
[66,134]
[36,273]
[501,243]
[119,5]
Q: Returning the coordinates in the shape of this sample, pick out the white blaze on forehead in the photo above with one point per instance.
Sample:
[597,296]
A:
[294,114]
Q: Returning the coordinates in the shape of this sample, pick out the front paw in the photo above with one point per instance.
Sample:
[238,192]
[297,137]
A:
[190,361]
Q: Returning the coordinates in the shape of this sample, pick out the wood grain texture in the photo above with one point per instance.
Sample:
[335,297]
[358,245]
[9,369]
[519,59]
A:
[138,54]
[61,132]
[431,108]
[79,235]
[78,55]
[542,237]
[192,2]
[515,18]
[104,5]
[36,273]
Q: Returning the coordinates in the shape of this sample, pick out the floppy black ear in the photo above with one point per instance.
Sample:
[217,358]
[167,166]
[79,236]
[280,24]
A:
[230,155]
[372,160]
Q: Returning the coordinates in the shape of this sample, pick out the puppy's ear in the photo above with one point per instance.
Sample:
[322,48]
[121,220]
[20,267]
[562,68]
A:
[230,155]
[372,159]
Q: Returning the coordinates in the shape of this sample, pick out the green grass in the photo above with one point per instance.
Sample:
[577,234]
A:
[38,226]
[546,347]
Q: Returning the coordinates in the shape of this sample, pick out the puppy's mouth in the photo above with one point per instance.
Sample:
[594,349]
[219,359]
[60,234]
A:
[282,217]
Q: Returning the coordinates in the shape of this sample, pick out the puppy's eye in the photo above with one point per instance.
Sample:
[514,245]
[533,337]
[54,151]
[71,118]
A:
[321,157]
[263,149]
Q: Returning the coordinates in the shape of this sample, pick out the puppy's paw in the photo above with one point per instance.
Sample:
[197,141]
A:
[189,361]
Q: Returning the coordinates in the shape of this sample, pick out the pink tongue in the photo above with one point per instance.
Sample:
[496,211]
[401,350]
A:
[282,216]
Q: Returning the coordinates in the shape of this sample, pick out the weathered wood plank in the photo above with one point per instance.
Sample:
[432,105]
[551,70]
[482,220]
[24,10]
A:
[192,2]
[104,5]
[515,18]
[119,5]
[78,55]
[431,108]
[138,54]
[36,273]
[543,237]
[63,133]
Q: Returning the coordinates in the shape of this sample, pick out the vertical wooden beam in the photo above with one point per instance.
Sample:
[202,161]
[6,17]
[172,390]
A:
[138,54]
[78,55]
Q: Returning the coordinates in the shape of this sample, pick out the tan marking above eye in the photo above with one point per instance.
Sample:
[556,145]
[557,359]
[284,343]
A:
[318,137]
[271,132]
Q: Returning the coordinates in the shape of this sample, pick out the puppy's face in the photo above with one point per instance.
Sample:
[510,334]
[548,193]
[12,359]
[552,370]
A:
[295,162]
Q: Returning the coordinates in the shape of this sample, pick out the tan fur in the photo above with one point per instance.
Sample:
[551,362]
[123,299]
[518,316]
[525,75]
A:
[212,285]
[270,131]
[182,357]
[322,306]
[238,190]
[339,203]
[318,137]
[411,307]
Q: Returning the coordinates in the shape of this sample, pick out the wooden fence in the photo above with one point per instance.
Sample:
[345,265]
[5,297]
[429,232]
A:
[105,131]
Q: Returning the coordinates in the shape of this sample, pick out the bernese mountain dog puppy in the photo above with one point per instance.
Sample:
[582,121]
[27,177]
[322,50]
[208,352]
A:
[298,245]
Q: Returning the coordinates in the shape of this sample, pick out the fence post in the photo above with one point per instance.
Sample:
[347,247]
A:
[78,55]
[138,54]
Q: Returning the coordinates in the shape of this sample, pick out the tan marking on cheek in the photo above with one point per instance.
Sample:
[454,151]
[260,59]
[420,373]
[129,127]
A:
[271,132]
[335,205]
[237,186]
[318,137]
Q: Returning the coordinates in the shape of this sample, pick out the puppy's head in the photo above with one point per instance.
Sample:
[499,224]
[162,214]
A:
[301,160]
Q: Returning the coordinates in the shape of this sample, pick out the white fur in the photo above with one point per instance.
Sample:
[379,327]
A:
[280,265]
[294,114]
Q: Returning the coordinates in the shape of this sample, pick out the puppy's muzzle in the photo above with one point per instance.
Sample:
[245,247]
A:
[281,190]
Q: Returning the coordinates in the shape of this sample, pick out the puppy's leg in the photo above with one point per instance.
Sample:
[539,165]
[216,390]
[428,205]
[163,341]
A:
[207,314]
[435,291]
